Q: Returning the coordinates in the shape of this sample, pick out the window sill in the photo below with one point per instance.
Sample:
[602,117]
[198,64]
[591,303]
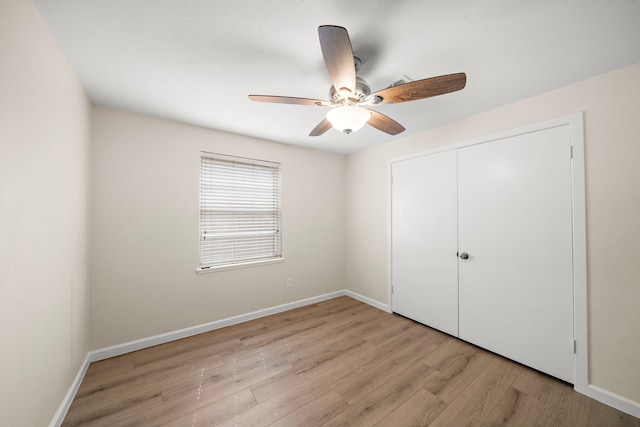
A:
[239,265]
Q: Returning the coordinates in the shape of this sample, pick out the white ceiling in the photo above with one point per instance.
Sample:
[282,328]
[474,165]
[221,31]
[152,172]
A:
[196,61]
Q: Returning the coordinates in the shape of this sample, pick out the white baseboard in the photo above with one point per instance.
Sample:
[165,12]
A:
[597,393]
[57,419]
[128,347]
[608,398]
[614,400]
[367,300]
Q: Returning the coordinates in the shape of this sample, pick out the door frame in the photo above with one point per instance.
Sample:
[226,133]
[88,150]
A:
[579,234]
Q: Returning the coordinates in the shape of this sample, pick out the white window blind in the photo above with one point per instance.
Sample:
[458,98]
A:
[239,210]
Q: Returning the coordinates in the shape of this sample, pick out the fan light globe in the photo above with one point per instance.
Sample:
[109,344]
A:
[349,118]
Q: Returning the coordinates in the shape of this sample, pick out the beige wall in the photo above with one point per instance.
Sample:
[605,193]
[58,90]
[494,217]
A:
[144,225]
[611,103]
[44,157]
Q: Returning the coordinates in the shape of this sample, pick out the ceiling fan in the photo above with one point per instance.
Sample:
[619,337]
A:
[350,94]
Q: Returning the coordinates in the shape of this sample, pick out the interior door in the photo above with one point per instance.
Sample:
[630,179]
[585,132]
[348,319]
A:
[514,219]
[424,240]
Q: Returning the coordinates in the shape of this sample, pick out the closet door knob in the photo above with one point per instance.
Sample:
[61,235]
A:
[464,255]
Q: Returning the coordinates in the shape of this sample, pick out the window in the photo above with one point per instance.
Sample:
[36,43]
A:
[239,211]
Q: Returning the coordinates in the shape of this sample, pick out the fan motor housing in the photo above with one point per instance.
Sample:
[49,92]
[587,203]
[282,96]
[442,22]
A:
[361,91]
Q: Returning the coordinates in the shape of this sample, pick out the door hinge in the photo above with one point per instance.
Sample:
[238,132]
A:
[575,345]
[571,151]
[391,288]
[392,179]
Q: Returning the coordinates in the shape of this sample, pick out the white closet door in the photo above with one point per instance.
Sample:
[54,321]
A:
[424,240]
[516,287]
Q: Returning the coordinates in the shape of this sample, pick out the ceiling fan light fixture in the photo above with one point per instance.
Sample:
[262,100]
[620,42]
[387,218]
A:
[348,118]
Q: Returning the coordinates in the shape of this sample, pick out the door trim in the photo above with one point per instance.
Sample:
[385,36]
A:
[578,190]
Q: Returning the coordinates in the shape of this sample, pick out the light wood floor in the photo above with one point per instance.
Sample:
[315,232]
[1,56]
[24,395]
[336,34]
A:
[336,363]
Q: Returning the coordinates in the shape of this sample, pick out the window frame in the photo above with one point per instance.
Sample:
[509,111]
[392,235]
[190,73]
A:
[239,263]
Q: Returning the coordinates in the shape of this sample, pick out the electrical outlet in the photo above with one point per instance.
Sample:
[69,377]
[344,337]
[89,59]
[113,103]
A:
[289,282]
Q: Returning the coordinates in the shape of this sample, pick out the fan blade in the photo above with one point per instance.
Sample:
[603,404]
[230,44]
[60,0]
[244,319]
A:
[424,88]
[289,100]
[338,56]
[322,127]
[384,123]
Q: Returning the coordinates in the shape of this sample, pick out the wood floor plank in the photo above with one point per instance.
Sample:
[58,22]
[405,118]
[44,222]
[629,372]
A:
[203,413]
[300,380]
[162,370]
[118,410]
[480,396]
[516,408]
[535,384]
[234,333]
[98,401]
[289,330]
[291,399]
[394,328]
[461,367]
[419,410]
[313,356]
[270,351]
[222,384]
[565,407]
[111,366]
[337,362]
[180,348]
[343,325]
[278,383]
[314,413]
[444,355]
[399,340]
[603,415]
[373,375]
[376,405]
